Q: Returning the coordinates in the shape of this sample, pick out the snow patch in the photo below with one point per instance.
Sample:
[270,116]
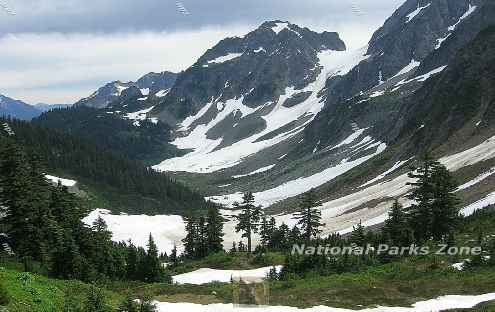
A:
[162,93]
[438,304]
[476,180]
[205,276]
[414,13]
[264,169]
[64,182]
[225,58]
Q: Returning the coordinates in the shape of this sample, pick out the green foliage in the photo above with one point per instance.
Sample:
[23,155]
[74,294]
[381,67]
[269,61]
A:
[148,142]
[248,219]
[4,296]
[309,216]
[434,213]
[109,174]
[95,301]
[204,236]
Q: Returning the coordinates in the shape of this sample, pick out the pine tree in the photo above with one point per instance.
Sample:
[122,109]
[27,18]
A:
[309,216]
[396,228]
[358,235]
[234,248]
[434,211]
[420,214]
[190,241]
[445,216]
[215,233]
[174,259]
[202,248]
[154,268]
[248,219]
[95,301]
[265,233]
[132,262]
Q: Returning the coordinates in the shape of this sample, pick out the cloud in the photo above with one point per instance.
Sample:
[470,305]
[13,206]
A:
[62,50]
[73,65]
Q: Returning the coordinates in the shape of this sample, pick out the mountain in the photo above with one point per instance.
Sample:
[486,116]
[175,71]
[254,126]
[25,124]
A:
[283,110]
[47,107]
[150,84]
[17,109]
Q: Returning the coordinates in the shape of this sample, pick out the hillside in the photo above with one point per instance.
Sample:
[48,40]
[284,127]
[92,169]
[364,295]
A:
[111,180]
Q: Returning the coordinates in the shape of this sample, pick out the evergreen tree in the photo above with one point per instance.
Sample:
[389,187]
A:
[248,219]
[358,235]
[190,241]
[154,270]
[95,301]
[234,248]
[396,228]
[445,215]
[132,262]
[420,214]
[215,232]
[265,233]
[202,248]
[433,213]
[309,216]
[174,259]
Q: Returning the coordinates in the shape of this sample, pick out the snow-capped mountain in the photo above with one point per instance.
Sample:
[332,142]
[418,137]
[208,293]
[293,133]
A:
[284,109]
[17,109]
[152,84]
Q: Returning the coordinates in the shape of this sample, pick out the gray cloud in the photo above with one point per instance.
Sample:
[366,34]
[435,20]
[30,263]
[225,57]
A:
[62,50]
[162,15]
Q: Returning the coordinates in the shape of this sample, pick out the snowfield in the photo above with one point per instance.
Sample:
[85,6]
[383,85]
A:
[434,305]
[205,276]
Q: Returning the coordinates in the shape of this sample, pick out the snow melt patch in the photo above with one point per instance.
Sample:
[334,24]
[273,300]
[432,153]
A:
[476,180]
[225,58]
[162,93]
[412,65]
[469,11]
[424,77]
[264,169]
[298,186]
[480,204]
[438,304]
[205,276]
[414,13]
[64,182]
[396,166]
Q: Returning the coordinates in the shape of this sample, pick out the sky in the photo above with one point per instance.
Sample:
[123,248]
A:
[59,51]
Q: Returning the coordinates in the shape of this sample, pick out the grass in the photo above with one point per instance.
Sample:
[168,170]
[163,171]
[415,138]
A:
[396,284]
[36,293]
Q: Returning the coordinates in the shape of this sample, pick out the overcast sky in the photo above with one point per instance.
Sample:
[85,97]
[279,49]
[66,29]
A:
[58,51]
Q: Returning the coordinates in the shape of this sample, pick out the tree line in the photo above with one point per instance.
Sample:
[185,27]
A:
[42,225]
[107,172]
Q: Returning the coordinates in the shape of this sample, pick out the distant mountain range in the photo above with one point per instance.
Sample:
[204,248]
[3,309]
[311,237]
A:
[20,110]
[149,85]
